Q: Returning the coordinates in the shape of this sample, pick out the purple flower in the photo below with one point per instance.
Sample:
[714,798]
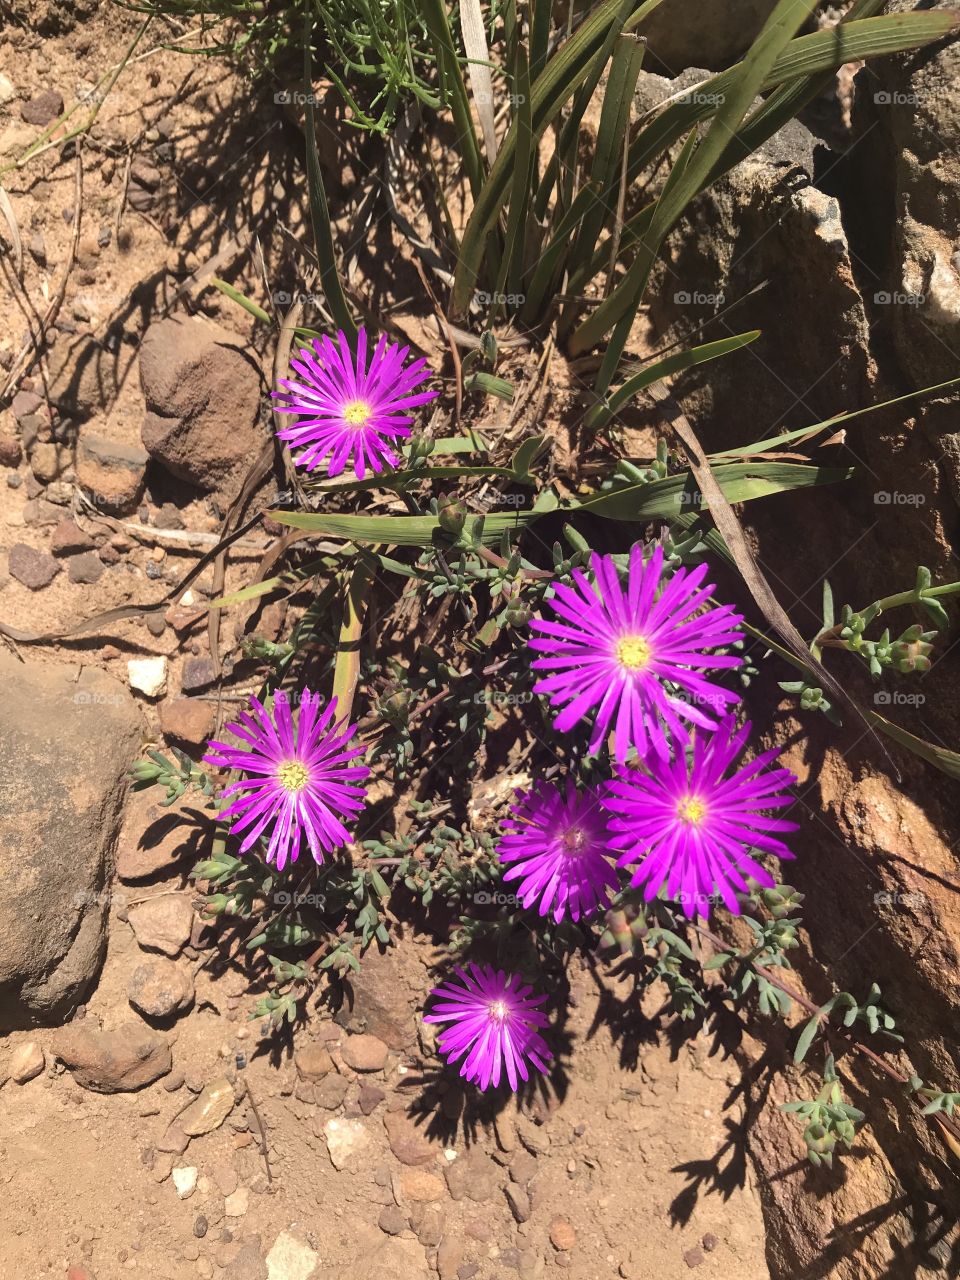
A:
[349,410]
[297,779]
[615,649]
[691,829]
[493,1023]
[559,847]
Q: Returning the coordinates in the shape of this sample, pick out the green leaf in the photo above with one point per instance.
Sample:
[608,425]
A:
[490,385]
[806,1038]
[404,531]
[524,457]
[236,296]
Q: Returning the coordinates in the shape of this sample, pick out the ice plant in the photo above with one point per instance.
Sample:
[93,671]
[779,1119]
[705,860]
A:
[557,846]
[493,1023]
[298,780]
[692,824]
[350,410]
[628,653]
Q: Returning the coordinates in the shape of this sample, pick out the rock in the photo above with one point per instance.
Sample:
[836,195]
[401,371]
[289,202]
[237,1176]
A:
[422,1186]
[198,673]
[473,1175]
[408,1142]
[346,1140]
[42,108]
[173,1140]
[428,1225]
[235,1205]
[687,33]
[159,988]
[35,569]
[225,1176]
[313,1062]
[249,1263]
[187,720]
[378,998]
[11,451]
[53,911]
[148,675]
[209,1110]
[523,1167]
[291,1258]
[203,399]
[534,1137]
[392,1220]
[163,923]
[26,1062]
[397,1258]
[518,1200]
[364,1053]
[45,462]
[331,1091]
[370,1098]
[185,1181]
[117,1061]
[449,1257]
[153,838]
[82,376]
[111,471]
[69,539]
[562,1235]
[86,568]
[7,91]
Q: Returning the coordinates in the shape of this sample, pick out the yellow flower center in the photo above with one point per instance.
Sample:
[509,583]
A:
[691,810]
[293,776]
[357,412]
[633,652]
[498,1011]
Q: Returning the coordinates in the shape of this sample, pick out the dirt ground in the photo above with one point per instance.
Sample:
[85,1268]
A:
[637,1170]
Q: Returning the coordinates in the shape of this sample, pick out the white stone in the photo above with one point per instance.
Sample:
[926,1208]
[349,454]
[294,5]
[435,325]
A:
[291,1259]
[236,1204]
[450,1154]
[148,675]
[26,1062]
[185,1180]
[345,1139]
[7,91]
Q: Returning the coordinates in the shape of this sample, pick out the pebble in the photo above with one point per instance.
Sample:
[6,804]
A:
[313,1062]
[420,1185]
[68,539]
[186,719]
[200,1226]
[346,1139]
[159,988]
[173,1140]
[34,569]
[162,923]
[562,1235]
[236,1204]
[408,1141]
[364,1053]
[185,1180]
[370,1098]
[519,1201]
[291,1258]
[43,108]
[209,1109]
[393,1220]
[225,1176]
[26,1062]
[198,673]
[694,1257]
[148,675]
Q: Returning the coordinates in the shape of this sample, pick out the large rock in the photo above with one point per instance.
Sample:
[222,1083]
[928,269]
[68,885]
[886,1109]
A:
[701,33]
[69,735]
[202,395]
[119,1061]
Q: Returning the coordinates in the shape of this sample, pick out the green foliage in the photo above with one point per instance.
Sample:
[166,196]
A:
[829,1119]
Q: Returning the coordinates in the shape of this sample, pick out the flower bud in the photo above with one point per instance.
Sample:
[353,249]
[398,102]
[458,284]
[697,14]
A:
[452,514]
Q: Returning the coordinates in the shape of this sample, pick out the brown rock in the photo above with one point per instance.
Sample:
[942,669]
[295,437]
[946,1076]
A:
[518,1200]
[379,998]
[11,451]
[473,1175]
[523,1167]
[203,400]
[313,1062]
[370,1098]
[331,1092]
[421,1186]
[26,1062]
[449,1257]
[45,462]
[209,1109]
[82,376]
[408,1141]
[393,1220]
[364,1053]
[43,108]
[427,1221]
[117,1061]
[198,673]
[68,539]
[187,720]
[173,1140]
[86,568]
[153,839]
[111,471]
[163,923]
[562,1234]
[159,988]
[35,569]
[694,1257]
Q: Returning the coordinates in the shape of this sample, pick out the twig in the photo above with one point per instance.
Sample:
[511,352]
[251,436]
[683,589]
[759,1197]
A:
[262,1132]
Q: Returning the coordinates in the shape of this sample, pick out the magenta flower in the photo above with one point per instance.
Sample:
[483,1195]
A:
[493,1024]
[692,830]
[298,780]
[628,653]
[558,845]
[350,411]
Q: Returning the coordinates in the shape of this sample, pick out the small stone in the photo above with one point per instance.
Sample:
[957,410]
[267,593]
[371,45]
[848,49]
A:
[190,1251]
[364,1053]
[162,1168]
[88,568]
[709,1242]
[506,1131]
[11,452]
[523,1167]
[34,569]
[313,1062]
[562,1235]
[694,1257]
[162,923]
[26,1062]
[38,249]
[44,462]
[209,1109]
[198,673]
[370,1098]
[346,1139]
[185,1181]
[116,1061]
[408,1142]
[331,1092]
[173,1140]
[421,1186]
[449,1258]
[533,1136]
[225,1176]
[473,1176]
[187,719]
[200,1226]
[69,539]
[148,675]
[112,471]
[519,1201]
[393,1220]
[43,108]
[236,1204]
[429,1226]
[173,1082]
[291,1259]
